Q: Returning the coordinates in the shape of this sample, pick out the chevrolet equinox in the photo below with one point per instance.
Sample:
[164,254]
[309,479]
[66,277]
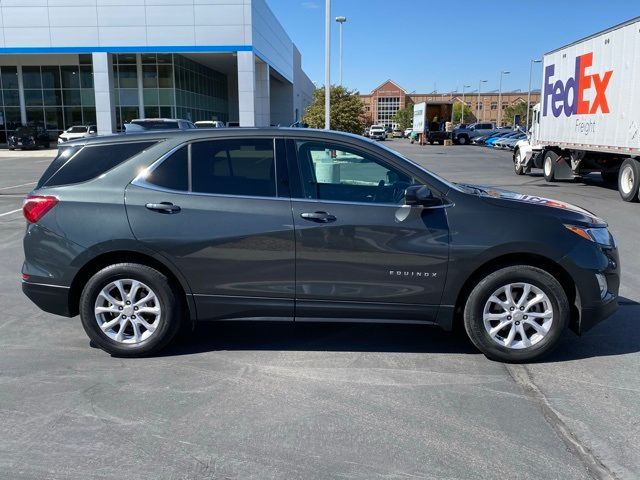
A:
[141,233]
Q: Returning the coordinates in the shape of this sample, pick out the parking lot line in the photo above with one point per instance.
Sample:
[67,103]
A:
[9,213]
[16,186]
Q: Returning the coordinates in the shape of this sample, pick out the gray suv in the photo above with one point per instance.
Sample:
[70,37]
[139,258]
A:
[142,233]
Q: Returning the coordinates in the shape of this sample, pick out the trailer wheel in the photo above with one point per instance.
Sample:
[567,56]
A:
[549,166]
[629,180]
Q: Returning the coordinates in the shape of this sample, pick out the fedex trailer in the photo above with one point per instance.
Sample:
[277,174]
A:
[588,118]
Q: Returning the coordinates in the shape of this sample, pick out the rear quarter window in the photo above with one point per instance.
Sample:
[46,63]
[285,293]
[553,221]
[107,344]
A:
[73,166]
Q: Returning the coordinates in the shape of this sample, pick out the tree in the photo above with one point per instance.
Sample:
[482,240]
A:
[518,108]
[347,110]
[404,117]
[457,112]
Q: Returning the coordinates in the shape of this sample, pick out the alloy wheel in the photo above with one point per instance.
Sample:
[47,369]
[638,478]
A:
[518,315]
[127,311]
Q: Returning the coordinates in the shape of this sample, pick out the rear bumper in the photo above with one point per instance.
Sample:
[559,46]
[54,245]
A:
[50,298]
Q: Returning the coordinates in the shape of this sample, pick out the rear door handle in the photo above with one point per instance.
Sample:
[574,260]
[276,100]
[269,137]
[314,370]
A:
[320,217]
[163,207]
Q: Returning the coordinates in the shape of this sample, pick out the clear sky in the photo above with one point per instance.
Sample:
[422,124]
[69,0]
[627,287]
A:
[425,45]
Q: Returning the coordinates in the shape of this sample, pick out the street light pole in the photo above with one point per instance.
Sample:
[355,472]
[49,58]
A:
[327,65]
[463,103]
[529,94]
[341,20]
[503,72]
[478,106]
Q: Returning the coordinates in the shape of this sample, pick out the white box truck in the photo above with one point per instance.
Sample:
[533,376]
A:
[588,118]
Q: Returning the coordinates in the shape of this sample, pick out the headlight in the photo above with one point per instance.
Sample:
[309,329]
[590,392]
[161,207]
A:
[599,235]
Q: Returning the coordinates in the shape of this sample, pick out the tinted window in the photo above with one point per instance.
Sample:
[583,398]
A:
[337,173]
[156,125]
[234,167]
[173,172]
[92,161]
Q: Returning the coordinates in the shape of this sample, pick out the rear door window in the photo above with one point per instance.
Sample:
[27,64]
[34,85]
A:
[244,167]
[173,172]
[73,166]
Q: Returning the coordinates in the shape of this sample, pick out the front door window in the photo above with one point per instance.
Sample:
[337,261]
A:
[336,173]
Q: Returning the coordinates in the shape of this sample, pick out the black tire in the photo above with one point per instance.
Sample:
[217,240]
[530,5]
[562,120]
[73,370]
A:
[518,167]
[549,166]
[473,313]
[170,302]
[463,140]
[629,180]
[11,148]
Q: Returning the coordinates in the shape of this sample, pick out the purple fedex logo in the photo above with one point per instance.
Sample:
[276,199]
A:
[558,93]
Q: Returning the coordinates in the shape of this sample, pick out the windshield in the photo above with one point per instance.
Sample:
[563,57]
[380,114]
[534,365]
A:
[77,130]
[156,124]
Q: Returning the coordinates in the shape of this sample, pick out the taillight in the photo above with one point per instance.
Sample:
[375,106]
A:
[35,207]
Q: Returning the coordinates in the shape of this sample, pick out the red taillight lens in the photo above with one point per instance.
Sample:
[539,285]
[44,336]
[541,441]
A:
[34,207]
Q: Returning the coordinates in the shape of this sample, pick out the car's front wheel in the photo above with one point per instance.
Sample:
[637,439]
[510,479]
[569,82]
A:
[518,163]
[130,310]
[516,314]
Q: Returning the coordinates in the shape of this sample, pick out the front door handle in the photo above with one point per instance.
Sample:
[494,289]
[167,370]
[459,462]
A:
[163,207]
[320,217]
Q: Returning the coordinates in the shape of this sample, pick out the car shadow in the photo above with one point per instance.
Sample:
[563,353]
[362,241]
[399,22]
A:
[618,335]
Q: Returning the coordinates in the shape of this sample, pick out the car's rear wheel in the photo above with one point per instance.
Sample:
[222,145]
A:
[130,310]
[463,140]
[549,166]
[516,314]
[629,180]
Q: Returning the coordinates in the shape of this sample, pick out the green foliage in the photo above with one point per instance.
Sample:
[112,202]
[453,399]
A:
[457,113]
[519,108]
[404,117]
[347,110]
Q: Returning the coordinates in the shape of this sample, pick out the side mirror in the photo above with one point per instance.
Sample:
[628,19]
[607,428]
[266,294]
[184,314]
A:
[420,195]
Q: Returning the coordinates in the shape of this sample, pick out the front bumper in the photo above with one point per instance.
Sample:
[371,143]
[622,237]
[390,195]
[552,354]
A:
[583,263]
[591,316]
[50,298]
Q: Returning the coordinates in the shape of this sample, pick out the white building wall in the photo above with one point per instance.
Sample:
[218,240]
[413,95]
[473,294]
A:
[303,87]
[131,23]
[248,27]
[270,41]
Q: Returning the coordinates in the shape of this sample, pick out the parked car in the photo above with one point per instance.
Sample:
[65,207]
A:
[495,137]
[195,225]
[497,142]
[210,124]
[77,131]
[28,138]
[464,135]
[377,132]
[397,133]
[509,143]
[140,124]
[407,132]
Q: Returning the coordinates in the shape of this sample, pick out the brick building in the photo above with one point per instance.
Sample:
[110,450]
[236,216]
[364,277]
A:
[384,101]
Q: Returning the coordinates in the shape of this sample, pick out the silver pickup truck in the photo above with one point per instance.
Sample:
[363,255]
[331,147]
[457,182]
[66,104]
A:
[463,136]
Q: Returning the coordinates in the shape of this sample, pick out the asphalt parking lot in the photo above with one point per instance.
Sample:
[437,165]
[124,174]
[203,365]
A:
[321,401]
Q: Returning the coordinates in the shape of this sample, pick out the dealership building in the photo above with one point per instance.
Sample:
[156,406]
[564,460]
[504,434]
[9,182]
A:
[106,62]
